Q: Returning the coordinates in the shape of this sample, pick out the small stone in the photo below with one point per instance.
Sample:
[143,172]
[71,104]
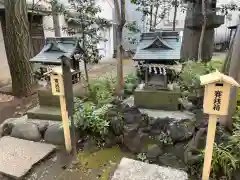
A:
[180,131]
[134,143]
[41,124]
[89,145]
[170,160]
[28,131]
[54,134]
[5,129]
[153,153]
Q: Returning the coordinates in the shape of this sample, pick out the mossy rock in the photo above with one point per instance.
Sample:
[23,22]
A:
[102,162]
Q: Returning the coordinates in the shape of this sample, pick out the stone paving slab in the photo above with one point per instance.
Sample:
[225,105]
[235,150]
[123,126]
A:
[18,156]
[129,169]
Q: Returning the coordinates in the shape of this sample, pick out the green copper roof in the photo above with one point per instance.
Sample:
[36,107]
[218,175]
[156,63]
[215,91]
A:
[55,48]
[159,46]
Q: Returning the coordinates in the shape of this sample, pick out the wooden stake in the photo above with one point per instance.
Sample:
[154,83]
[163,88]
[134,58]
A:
[65,122]
[212,122]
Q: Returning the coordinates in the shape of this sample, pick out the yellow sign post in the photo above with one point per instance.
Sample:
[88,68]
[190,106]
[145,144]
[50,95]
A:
[56,77]
[216,102]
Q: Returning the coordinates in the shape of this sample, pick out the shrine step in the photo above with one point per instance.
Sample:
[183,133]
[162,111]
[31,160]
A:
[45,113]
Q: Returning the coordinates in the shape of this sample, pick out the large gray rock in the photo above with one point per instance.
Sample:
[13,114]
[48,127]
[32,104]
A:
[154,152]
[129,169]
[7,126]
[181,130]
[28,131]
[54,134]
[41,124]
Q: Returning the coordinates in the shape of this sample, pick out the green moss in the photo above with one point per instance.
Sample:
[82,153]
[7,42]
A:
[101,163]
[217,64]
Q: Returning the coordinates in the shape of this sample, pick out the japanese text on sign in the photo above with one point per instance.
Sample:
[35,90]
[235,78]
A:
[217,100]
[57,85]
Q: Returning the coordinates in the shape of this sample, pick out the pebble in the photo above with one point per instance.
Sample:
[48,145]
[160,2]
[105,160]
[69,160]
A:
[5,97]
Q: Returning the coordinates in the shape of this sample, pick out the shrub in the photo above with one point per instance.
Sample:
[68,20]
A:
[90,116]
[101,90]
[226,157]
[90,119]
[189,77]
[130,83]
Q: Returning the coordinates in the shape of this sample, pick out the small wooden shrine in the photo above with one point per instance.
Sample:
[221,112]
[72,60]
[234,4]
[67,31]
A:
[51,56]
[157,55]
[52,52]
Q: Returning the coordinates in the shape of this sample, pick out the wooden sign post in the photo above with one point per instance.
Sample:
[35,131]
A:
[58,90]
[216,102]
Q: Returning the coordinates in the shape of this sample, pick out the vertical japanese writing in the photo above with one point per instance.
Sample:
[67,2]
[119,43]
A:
[57,85]
[217,100]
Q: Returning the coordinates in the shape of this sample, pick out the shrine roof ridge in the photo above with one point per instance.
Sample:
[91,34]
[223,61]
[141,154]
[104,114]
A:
[55,48]
[161,34]
[159,46]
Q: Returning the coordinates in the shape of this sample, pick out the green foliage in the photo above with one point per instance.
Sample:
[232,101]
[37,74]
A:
[189,78]
[142,157]
[87,24]
[226,157]
[90,116]
[164,138]
[90,119]
[101,90]
[223,160]
[130,82]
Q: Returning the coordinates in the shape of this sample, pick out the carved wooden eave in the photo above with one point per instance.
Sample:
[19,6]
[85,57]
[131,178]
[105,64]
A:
[158,43]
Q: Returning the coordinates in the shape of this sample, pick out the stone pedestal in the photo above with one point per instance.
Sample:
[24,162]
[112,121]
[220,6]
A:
[157,99]
[49,105]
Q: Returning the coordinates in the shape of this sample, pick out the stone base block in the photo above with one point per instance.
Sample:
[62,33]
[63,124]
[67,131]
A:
[45,113]
[47,99]
[157,99]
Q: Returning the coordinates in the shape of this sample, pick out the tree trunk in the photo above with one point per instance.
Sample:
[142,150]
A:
[234,73]
[155,16]
[56,26]
[227,62]
[175,14]
[121,22]
[191,37]
[55,16]
[18,47]
[200,46]
[151,18]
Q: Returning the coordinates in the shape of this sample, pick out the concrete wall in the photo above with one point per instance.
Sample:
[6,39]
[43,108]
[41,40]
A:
[4,69]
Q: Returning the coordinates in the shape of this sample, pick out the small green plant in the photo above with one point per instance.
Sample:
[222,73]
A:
[142,157]
[101,90]
[164,138]
[189,77]
[130,82]
[90,119]
[226,158]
